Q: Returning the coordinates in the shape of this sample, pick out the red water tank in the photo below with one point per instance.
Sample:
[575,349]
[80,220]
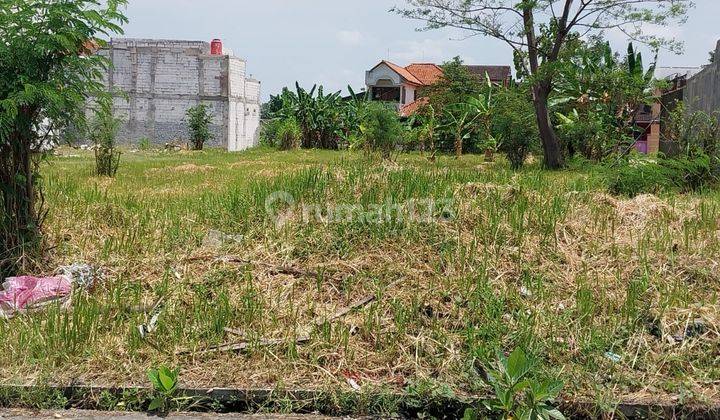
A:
[216,47]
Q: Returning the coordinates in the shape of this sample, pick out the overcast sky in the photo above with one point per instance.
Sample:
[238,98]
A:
[333,42]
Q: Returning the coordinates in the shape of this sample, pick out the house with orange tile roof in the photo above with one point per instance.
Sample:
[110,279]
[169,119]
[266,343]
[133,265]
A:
[402,86]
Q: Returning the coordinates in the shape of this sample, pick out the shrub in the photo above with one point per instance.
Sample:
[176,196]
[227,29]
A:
[696,133]
[289,134]
[592,135]
[268,132]
[165,383]
[380,128]
[47,73]
[199,122]
[513,124]
[103,130]
[144,144]
[517,393]
[423,129]
[644,175]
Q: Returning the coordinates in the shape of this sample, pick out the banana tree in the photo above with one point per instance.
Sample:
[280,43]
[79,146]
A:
[483,106]
[461,118]
[597,98]
[327,119]
[317,113]
[426,128]
[351,111]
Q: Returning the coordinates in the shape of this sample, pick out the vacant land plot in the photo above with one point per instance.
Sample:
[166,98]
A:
[340,280]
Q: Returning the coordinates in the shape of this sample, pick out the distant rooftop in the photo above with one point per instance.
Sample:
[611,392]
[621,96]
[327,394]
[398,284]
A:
[424,74]
[169,43]
[149,41]
[669,73]
[496,73]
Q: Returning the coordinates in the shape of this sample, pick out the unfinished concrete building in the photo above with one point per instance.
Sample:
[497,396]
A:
[703,89]
[161,79]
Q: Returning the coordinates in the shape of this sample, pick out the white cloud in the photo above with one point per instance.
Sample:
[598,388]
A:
[339,80]
[426,51]
[350,38]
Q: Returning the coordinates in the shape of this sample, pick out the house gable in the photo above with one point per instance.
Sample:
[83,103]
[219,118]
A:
[386,70]
[391,83]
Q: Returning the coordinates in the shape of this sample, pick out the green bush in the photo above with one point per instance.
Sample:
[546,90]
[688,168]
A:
[289,134]
[268,132]
[517,393]
[644,175]
[199,120]
[103,130]
[514,125]
[144,144]
[695,133]
[381,130]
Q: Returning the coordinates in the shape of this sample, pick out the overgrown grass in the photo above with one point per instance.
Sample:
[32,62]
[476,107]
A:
[547,261]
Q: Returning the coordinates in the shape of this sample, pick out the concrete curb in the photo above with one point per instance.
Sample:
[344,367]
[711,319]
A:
[232,400]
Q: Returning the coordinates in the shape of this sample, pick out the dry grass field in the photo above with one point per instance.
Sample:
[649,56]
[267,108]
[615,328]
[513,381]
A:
[437,265]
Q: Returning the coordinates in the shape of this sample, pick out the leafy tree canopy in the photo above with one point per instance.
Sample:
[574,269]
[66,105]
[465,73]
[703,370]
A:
[455,85]
[537,31]
[47,65]
[48,70]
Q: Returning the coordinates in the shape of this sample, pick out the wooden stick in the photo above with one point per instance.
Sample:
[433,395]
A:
[274,269]
[244,345]
[302,338]
[346,310]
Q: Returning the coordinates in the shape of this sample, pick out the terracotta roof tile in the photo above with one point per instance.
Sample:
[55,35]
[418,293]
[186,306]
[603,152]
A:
[402,72]
[426,73]
[496,73]
[412,107]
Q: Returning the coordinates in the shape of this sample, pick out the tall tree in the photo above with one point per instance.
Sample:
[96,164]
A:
[47,72]
[537,30]
[455,85]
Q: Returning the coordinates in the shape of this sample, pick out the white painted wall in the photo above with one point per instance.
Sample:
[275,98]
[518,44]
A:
[243,108]
[409,94]
[383,71]
[383,75]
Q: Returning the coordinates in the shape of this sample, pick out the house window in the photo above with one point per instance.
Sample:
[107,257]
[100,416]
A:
[403,95]
[388,94]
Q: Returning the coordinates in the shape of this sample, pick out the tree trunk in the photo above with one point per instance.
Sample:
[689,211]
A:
[541,89]
[489,155]
[458,146]
[550,140]
[307,138]
[19,218]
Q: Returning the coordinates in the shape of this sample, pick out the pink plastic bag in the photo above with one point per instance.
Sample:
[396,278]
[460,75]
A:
[21,293]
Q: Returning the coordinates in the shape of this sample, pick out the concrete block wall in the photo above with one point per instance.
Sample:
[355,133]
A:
[162,79]
[244,107]
[237,77]
[252,108]
[702,92]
